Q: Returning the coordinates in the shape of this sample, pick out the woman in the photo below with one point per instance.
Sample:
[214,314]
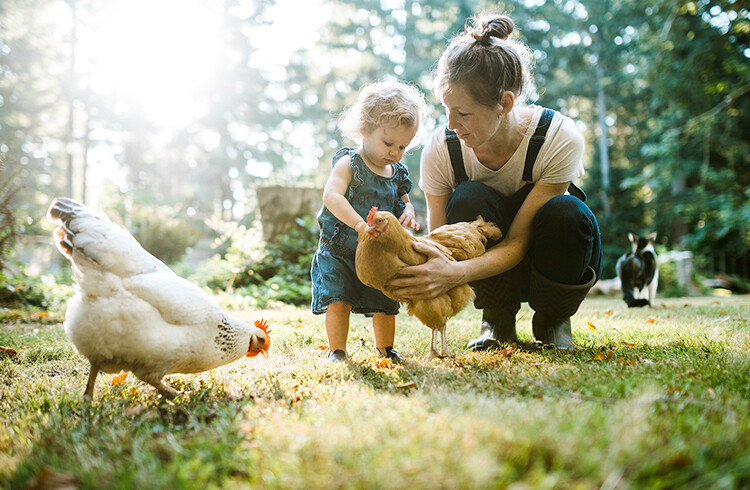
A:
[511,164]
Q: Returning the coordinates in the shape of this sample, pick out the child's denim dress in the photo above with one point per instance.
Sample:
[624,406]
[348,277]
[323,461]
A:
[333,275]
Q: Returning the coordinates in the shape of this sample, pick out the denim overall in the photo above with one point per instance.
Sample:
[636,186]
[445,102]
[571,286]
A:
[566,238]
[333,274]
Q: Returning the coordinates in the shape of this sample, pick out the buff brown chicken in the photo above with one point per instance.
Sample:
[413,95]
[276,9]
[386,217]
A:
[384,248]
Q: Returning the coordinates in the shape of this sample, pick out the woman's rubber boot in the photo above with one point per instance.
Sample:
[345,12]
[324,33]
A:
[498,327]
[554,303]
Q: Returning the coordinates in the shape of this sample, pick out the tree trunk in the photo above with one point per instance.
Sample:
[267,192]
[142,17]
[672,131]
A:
[71,105]
[603,141]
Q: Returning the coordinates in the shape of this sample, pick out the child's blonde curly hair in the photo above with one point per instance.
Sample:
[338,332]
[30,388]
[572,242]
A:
[383,103]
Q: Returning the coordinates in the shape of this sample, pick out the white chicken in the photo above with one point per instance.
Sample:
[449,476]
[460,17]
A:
[131,312]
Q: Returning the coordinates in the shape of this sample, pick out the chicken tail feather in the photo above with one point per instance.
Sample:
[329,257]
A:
[60,212]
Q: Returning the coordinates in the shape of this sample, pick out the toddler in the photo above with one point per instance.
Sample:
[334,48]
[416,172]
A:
[384,120]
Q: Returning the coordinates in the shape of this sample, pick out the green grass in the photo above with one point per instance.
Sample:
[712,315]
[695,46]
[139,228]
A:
[666,405]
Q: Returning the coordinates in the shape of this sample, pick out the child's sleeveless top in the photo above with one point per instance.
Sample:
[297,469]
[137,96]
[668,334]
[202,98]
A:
[366,190]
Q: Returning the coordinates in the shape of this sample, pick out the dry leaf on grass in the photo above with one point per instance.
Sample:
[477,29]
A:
[591,326]
[384,363]
[603,355]
[52,479]
[508,351]
[408,386]
[651,319]
[321,347]
[7,352]
[119,379]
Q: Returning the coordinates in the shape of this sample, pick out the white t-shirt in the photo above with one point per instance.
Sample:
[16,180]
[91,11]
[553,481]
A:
[559,160]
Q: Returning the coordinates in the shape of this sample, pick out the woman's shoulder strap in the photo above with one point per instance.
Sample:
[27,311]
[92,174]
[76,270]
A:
[536,141]
[457,159]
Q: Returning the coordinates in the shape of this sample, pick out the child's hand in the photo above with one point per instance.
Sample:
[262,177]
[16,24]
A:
[407,219]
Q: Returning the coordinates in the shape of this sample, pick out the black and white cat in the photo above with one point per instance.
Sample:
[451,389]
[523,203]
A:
[639,271]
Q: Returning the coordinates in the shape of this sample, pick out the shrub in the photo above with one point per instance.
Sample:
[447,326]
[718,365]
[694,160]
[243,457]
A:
[161,233]
[8,222]
[263,272]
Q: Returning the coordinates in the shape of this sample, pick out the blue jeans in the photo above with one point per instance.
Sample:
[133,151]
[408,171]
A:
[566,240]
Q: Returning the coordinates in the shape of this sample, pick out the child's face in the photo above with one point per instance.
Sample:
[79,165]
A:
[385,145]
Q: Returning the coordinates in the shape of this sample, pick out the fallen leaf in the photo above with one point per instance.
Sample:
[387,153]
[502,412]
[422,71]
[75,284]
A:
[384,363]
[43,313]
[651,319]
[299,325]
[462,337]
[409,385]
[321,347]
[7,352]
[119,379]
[609,312]
[628,344]
[630,361]
[591,326]
[49,478]
[508,351]
[603,355]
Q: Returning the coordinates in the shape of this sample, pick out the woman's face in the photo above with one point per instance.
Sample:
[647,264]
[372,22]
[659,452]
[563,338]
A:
[473,122]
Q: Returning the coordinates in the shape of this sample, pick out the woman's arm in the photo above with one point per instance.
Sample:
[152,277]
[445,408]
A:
[333,194]
[436,210]
[439,274]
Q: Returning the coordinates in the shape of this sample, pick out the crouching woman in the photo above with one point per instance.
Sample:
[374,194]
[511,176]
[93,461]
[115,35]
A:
[512,164]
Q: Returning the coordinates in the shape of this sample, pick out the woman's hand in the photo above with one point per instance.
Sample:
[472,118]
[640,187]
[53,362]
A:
[428,280]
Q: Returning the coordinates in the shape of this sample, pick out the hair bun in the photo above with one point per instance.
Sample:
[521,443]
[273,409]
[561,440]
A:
[499,26]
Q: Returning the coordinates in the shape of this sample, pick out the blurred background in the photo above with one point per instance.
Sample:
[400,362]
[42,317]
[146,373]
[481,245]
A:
[206,127]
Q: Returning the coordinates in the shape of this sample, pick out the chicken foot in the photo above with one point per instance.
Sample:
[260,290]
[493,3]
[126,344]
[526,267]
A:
[93,373]
[444,351]
[162,388]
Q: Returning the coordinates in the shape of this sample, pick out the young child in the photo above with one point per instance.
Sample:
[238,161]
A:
[384,120]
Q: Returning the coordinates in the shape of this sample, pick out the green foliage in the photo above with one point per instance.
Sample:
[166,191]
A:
[46,292]
[262,272]
[8,220]
[161,233]
[669,286]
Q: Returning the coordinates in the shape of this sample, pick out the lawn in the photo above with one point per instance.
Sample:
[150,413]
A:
[655,397]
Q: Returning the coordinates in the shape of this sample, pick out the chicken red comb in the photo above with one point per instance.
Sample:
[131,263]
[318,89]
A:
[373,210]
[263,325]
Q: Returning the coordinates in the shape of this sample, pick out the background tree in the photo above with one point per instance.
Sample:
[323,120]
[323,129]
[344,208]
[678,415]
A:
[659,90]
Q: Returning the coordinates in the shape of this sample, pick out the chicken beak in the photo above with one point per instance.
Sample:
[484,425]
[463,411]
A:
[373,231]
[255,349]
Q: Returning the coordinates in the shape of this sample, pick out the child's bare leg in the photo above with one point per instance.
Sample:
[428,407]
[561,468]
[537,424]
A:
[384,327]
[337,325]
